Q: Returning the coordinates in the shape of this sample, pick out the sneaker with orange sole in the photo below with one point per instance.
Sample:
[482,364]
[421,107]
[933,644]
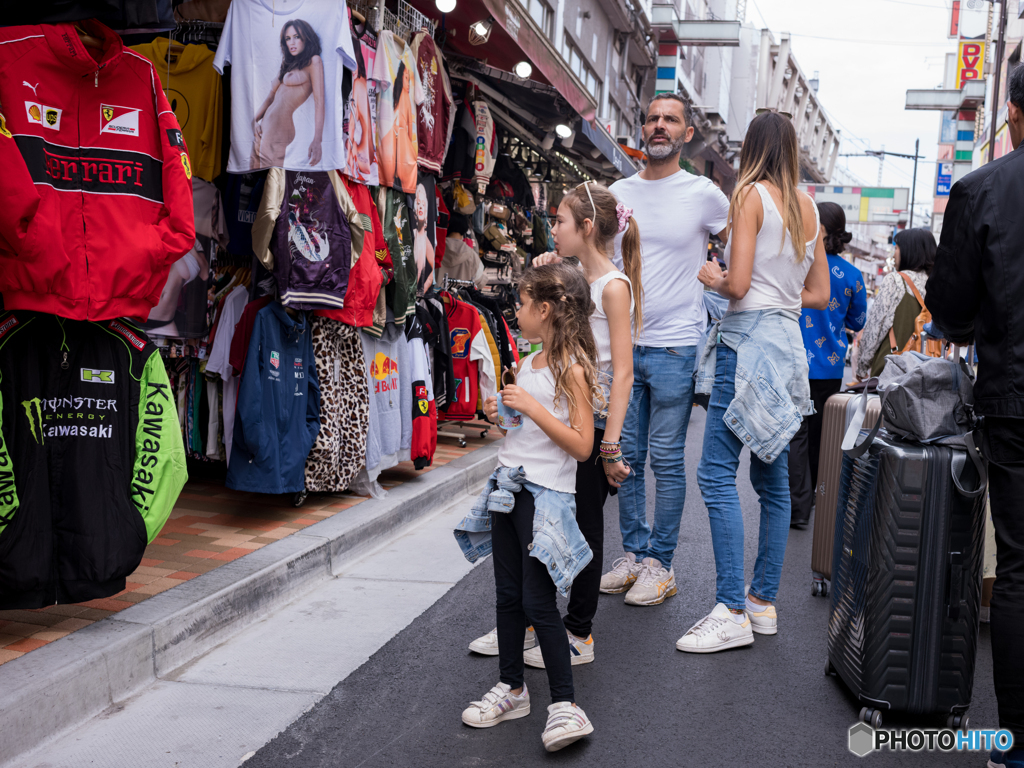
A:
[653,584]
[580,652]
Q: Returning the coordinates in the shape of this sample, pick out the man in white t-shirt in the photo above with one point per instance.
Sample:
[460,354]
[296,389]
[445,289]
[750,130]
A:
[676,211]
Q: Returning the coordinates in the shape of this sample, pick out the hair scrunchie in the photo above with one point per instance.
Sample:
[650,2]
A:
[624,214]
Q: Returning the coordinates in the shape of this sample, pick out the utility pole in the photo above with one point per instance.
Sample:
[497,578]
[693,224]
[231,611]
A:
[913,184]
[880,154]
[1000,45]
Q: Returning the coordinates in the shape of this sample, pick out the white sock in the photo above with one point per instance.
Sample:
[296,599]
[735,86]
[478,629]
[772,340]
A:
[739,618]
[754,607]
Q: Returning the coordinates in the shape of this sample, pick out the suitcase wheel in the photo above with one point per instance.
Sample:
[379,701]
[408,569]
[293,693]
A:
[958,722]
[829,669]
[872,717]
[299,498]
[819,587]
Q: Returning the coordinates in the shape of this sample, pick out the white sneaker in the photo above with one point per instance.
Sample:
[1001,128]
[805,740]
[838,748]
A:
[498,704]
[716,632]
[622,575]
[764,622]
[566,723]
[487,645]
[580,652]
[653,584]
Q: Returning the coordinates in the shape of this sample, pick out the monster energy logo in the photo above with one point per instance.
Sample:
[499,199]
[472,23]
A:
[91,374]
[34,412]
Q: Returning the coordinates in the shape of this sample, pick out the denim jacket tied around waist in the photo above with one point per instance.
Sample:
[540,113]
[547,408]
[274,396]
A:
[557,540]
[772,391]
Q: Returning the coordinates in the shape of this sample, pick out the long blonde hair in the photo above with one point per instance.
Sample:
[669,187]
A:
[565,289]
[770,154]
[603,212]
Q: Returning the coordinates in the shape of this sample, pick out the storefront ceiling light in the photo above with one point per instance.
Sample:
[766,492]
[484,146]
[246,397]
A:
[523,70]
[563,131]
[445,6]
[480,31]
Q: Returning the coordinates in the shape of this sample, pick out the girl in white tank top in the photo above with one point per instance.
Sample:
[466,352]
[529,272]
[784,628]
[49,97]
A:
[588,220]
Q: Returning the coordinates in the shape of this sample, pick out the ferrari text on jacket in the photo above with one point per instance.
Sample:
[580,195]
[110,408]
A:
[96,202]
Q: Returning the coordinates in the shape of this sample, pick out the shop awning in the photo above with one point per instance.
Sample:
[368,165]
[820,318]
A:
[513,39]
[542,54]
[609,148]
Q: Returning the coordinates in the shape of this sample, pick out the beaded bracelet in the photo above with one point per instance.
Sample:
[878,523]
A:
[612,460]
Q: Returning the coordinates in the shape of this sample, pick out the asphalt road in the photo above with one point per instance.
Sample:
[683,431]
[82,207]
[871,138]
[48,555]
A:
[766,705]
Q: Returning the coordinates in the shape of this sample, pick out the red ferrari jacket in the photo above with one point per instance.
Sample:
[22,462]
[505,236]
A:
[96,199]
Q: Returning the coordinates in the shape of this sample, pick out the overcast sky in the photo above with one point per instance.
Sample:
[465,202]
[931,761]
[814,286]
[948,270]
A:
[868,53]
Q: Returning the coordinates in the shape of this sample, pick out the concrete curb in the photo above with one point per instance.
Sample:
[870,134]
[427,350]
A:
[70,680]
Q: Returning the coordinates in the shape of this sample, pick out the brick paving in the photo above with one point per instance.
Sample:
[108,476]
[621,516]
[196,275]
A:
[210,525]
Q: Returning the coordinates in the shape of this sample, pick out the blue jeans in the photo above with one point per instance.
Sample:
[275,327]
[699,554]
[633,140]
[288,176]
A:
[656,421]
[716,476]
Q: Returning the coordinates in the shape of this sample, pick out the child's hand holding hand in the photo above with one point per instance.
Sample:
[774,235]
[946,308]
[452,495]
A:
[491,409]
[546,258]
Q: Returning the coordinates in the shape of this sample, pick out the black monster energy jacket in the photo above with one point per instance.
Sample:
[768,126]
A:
[91,458]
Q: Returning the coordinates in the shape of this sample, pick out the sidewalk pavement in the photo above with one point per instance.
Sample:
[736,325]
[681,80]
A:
[164,621]
[211,525]
[219,709]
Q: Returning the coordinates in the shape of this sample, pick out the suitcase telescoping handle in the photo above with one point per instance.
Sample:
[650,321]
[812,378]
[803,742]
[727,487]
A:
[956,584]
[855,450]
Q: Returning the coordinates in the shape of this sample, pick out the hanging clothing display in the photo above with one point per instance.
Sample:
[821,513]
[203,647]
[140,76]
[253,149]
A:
[339,451]
[219,363]
[96,203]
[424,408]
[361,110]
[395,217]
[434,321]
[399,94]
[278,414]
[364,299]
[390,424]
[309,233]
[194,91]
[242,198]
[243,333]
[91,459]
[475,377]
[287,62]
[485,151]
[434,119]
[424,227]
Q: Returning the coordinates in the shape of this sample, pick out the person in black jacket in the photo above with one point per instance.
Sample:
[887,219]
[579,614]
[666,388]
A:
[974,292]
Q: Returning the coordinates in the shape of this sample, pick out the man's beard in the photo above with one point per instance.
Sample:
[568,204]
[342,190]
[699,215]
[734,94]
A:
[661,151]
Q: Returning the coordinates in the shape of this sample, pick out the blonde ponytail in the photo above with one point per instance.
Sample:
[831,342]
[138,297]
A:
[631,265]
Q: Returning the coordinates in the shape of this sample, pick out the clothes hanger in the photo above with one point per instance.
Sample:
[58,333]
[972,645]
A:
[88,40]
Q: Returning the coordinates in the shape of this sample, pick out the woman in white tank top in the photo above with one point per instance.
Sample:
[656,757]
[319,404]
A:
[776,265]
[589,217]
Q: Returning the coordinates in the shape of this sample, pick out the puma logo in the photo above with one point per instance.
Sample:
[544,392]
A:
[27,84]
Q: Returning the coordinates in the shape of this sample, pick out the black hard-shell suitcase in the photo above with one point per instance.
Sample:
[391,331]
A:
[906,579]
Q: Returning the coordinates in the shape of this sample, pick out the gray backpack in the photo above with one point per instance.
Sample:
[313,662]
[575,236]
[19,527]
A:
[928,400]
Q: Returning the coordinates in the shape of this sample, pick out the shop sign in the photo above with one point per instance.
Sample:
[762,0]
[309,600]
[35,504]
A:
[970,61]
[512,23]
[945,179]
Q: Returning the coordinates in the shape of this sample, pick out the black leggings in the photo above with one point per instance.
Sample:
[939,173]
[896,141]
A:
[804,450]
[524,589]
[1003,446]
[591,493]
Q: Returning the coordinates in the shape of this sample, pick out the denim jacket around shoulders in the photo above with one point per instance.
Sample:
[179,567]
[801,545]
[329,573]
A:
[772,390]
[557,540]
